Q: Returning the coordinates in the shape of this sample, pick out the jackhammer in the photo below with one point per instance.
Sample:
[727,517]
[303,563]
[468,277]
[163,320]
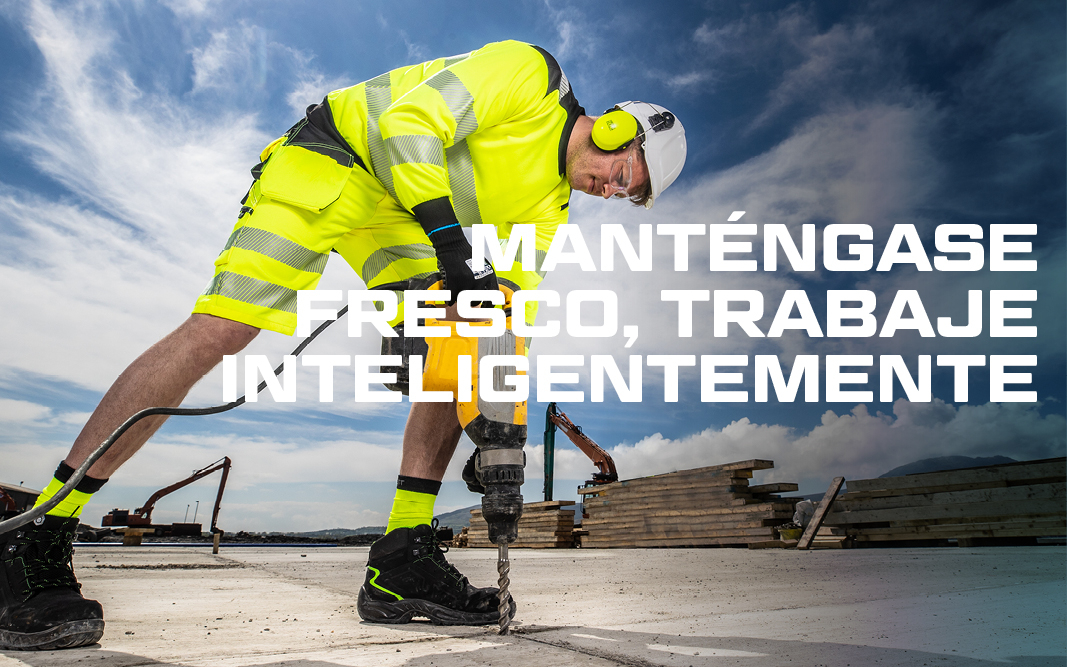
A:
[498,428]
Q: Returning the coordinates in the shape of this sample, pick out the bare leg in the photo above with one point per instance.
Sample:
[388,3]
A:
[430,438]
[432,432]
[162,376]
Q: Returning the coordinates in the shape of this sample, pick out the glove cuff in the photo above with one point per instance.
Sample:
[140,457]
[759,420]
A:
[441,225]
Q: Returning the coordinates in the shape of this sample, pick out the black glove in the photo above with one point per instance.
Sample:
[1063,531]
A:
[453,250]
[470,476]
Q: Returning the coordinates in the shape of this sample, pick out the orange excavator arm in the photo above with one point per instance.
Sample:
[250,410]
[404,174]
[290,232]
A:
[145,512]
[600,458]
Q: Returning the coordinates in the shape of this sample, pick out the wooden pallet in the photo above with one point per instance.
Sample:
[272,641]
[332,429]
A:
[972,506]
[711,506]
[542,525]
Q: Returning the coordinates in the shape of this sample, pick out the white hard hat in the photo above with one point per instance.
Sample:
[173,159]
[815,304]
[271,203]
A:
[664,144]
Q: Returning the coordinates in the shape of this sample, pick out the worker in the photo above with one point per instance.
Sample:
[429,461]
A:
[386,173]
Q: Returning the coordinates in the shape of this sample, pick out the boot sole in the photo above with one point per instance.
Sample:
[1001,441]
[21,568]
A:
[402,611]
[66,635]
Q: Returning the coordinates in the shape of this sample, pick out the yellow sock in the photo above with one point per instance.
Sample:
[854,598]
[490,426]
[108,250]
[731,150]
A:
[71,506]
[74,503]
[413,502]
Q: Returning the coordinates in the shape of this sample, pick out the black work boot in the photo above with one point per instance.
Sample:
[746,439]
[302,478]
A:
[41,606]
[408,576]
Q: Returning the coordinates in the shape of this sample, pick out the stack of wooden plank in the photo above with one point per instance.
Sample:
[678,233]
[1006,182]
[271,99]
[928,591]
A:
[542,525]
[993,504]
[827,539]
[700,507]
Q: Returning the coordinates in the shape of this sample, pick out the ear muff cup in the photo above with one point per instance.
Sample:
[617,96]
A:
[614,129]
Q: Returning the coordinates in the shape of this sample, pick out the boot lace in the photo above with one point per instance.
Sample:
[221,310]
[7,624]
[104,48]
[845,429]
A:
[47,558]
[438,549]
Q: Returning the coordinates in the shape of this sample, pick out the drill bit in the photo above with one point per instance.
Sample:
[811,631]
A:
[503,567]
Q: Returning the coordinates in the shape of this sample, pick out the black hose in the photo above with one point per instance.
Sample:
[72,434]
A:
[43,508]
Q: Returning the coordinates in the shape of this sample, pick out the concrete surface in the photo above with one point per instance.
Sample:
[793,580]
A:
[295,606]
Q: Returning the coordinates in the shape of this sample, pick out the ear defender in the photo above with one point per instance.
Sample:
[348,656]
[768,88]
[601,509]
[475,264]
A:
[614,129]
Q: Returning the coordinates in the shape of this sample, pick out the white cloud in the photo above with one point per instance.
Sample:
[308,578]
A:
[189,8]
[845,57]
[99,287]
[565,24]
[311,88]
[13,410]
[856,445]
[228,58]
[689,79]
[416,52]
[265,460]
[864,165]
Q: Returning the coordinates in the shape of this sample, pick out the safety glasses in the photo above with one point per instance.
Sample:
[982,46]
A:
[622,173]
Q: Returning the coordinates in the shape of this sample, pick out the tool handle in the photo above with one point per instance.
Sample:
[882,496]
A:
[508,293]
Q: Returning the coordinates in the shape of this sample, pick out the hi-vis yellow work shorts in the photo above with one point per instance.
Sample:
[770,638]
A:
[304,205]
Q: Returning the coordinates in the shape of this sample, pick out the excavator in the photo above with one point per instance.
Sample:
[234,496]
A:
[556,418]
[142,516]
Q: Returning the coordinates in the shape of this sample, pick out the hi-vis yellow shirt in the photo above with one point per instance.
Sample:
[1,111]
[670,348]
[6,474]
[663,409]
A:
[487,129]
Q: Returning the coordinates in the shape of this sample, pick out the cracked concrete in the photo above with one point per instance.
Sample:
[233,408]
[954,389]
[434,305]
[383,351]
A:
[295,606]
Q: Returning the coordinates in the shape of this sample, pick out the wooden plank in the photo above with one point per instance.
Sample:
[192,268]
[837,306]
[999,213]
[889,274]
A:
[699,511]
[894,537]
[650,525]
[638,523]
[659,495]
[673,542]
[773,544]
[943,488]
[820,513]
[638,527]
[1052,517]
[1046,468]
[694,488]
[666,503]
[659,530]
[547,504]
[990,495]
[690,516]
[1049,518]
[1019,508]
[777,487]
[720,472]
[1037,526]
[655,485]
[681,530]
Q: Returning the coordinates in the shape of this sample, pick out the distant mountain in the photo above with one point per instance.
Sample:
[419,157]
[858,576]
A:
[338,533]
[947,463]
[462,518]
[457,519]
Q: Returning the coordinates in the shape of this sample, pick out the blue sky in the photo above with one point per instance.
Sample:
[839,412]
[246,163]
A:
[129,129]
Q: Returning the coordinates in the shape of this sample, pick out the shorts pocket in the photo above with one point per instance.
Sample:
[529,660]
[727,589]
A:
[301,177]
